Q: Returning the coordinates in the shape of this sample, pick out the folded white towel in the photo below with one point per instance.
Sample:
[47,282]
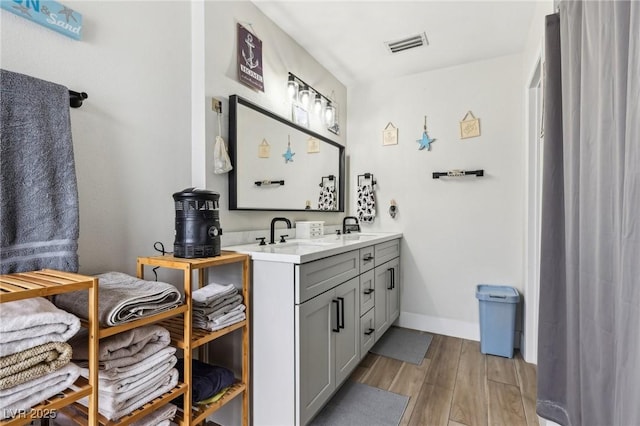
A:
[216,304]
[218,313]
[122,372]
[235,315]
[211,292]
[26,395]
[133,382]
[123,345]
[27,323]
[114,409]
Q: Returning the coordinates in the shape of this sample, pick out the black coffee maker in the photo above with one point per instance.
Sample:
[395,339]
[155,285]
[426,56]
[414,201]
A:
[197,223]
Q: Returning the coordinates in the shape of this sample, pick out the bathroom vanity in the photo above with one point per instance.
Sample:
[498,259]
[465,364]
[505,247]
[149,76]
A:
[318,306]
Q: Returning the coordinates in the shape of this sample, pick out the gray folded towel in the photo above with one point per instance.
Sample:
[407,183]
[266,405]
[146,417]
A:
[25,396]
[144,341]
[38,188]
[28,323]
[122,298]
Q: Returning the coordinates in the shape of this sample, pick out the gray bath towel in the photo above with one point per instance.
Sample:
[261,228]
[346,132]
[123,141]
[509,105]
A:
[113,409]
[33,392]
[122,298]
[38,189]
[132,369]
[145,340]
[28,323]
[33,363]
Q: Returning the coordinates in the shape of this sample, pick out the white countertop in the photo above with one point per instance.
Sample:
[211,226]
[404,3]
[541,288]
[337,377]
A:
[307,250]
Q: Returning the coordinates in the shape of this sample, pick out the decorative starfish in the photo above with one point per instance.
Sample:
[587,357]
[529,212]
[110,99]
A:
[425,141]
[23,10]
[288,155]
[68,13]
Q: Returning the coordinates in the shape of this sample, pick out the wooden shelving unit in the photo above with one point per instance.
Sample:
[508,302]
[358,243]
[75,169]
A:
[48,282]
[187,338]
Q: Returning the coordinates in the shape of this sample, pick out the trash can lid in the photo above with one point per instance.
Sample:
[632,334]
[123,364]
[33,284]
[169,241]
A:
[497,293]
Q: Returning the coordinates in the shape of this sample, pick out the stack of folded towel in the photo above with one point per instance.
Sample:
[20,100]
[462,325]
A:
[122,298]
[135,367]
[162,416]
[216,306]
[34,358]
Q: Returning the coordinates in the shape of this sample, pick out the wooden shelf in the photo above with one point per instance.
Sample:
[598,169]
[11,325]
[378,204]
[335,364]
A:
[79,412]
[49,282]
[110,331]
[46,282]
[201,412]
[199,336]
[187,338]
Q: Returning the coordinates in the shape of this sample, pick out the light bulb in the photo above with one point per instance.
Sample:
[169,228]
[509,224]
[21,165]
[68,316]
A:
[305,97]
[329,114]
[292,87]
[317,104]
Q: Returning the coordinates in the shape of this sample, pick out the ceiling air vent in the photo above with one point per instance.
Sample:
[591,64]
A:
[407,43]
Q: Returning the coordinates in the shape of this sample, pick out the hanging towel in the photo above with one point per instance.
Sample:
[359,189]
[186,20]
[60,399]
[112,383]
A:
[366,204]
[327,199]
[38,188]
[221,160]
[28,323]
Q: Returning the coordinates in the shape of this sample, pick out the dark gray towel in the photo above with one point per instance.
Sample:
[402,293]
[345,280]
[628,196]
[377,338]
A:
[38,189]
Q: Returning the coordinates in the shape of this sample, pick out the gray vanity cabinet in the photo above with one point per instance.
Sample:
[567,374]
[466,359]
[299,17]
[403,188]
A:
[311,323]
[329,346]
[387,295]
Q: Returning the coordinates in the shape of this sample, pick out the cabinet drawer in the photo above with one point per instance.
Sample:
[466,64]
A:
[386,251]
[367,257]
[321,275]
[367,332]
[367,287]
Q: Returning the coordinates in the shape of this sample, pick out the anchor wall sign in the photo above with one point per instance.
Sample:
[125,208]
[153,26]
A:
[250,59]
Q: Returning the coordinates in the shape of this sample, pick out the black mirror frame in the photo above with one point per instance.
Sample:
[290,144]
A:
[234,100]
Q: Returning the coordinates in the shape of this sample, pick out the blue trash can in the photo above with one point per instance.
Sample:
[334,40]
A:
[497,318]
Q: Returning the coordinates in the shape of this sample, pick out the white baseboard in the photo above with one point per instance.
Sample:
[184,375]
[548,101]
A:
[438,325]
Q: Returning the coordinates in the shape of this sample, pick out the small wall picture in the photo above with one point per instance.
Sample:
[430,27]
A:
[264,149]
[313,145]
[390,135]
[469,126]
[300,116]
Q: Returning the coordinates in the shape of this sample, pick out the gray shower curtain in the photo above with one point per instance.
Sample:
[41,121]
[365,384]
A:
[589,327]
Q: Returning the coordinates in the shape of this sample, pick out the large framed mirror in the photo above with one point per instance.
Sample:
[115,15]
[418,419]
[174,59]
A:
[280,165]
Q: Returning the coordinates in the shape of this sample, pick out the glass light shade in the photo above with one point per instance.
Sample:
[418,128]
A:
[329,114]
[292,88]
[317,103]
[305,97]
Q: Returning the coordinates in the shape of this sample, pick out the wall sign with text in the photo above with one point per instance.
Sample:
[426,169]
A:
[250,59]
[47,13]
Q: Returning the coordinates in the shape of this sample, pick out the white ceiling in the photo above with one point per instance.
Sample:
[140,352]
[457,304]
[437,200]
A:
[348,37]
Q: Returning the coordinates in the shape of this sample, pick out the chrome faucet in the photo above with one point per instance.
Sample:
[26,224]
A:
[273,227]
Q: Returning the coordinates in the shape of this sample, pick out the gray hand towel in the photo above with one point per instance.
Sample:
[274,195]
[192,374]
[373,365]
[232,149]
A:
[38,188]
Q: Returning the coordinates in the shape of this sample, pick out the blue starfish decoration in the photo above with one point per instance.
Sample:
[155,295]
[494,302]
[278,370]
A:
[288,155]
[425,142]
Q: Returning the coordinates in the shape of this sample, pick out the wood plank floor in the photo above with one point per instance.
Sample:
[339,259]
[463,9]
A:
[457,385]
